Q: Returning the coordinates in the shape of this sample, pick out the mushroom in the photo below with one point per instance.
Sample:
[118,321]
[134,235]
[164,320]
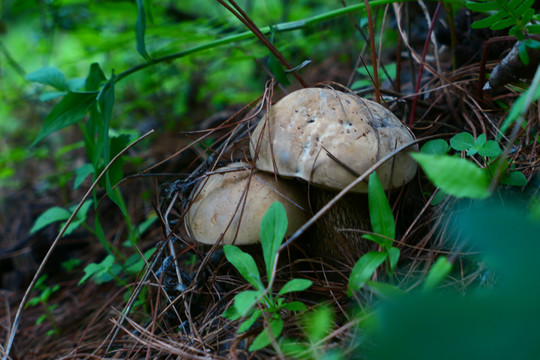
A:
[325,136]
[222,208]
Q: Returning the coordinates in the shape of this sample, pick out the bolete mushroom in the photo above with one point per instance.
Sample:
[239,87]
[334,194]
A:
[223,207]
[324,136]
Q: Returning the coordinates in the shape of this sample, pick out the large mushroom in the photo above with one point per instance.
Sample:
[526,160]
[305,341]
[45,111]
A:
[224,208]
[324,136]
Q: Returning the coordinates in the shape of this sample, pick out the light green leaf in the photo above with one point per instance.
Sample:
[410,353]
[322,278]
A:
[318,323]
[294,306]
[393,257]
[440,269]
[380,213]
[249,322]
[49,76]
[50,216]
[245,265]
[263,339]
[295,285]
[273,228]
[244,301]
[490,149]
[455,176]
[364,269]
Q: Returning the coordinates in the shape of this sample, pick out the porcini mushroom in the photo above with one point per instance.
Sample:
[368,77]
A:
[223,207]
[325,136]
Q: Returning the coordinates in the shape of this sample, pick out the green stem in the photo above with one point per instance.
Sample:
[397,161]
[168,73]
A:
[282,27]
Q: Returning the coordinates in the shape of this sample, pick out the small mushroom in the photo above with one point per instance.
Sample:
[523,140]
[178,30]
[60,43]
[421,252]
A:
[325,136]
[222,208]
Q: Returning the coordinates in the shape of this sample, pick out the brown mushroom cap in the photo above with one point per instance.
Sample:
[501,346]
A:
[356,131]
[217,198]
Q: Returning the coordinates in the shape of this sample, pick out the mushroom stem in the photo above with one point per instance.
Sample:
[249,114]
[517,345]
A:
[337,236]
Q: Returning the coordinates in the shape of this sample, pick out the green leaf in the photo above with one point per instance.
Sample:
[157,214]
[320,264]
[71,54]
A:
[502,24]
[385,290]
[440,269]
[384,242]
[380,213]
[79,218]
[245,265]
[49,76]
[140,29]
[249,322]
[364,269]
[70,110]
[50,216]
[295,306]
[295,285]
[318,323]
[462,141]
[455,176]
[393,257]
[98,270]
[273,228]
[523,55]
[490,149]
[487,22]
[514,178]
[482,7]
[263,339]
[276,69]
[435,147]
[94,78]
[81,174]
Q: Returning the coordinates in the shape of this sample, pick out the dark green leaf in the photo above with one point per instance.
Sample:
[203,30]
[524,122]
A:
[273,228]
[140,29]
[487,22]
[457,177]
[523,55]
[49,76]
[95,78]
[514,178]
[276,69]
[502,24]
[364,269]
[393,257]
[295,285]
[382,219]
[70,110]
[245,265]
[482,7]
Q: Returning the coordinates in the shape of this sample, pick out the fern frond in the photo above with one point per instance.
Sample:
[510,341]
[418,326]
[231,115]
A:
[503,13]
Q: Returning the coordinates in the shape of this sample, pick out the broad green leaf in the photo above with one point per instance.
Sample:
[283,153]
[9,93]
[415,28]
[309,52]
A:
[514,178]
[250,321]
[80,218]
[70,110]
[263,339]
[231,313]
[462,141]
[244,301]
[245,265]
[380,213]
[435,147]
[140,29]
[364,269]
[295,285]
[273,228]
[480,141]
[97,270]
[49,76]
[440,269]
[294,306]
[318,323]
[490,149]
[50,216]
[455,176]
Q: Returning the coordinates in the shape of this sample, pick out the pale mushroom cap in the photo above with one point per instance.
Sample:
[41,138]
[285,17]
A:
[217,197]
[356,131]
